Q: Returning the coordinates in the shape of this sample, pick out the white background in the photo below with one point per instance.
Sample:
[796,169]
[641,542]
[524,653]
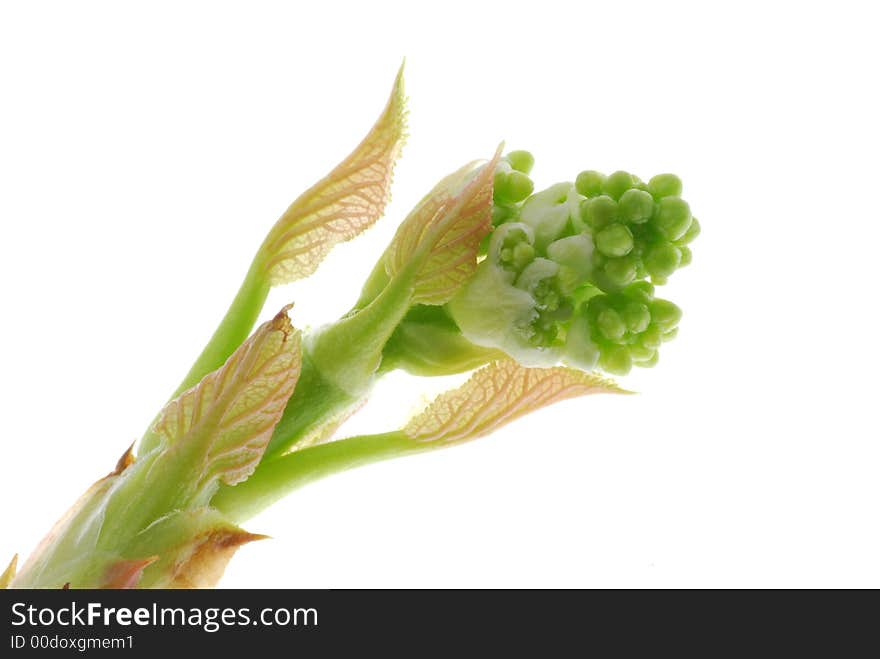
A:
[145,149]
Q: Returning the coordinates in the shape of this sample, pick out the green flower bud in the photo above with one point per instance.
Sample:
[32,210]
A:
[502,214]
[686,256]
[580,351]
[620,271]
[519,186]
[616,360]
[665,185]
[651,337]
[597,304]
[521,161]
[641,354]
[617,183]
[599,211]
[664,314]
[611,324]
[673,217]
[512,187]
[614,240]
[640,291]
[662,260]
[692,232]
[589,183]
[637,317]
[510,246]
[636,206]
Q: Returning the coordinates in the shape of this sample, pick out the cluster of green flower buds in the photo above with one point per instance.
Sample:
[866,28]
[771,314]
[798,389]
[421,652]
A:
[640,230]
[512,185]
[519,300]
[619,330]
[568,272]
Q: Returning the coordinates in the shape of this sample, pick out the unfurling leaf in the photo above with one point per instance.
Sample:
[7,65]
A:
[227,419]
[8,573]
[498,394]
[440,239]
[208,556]
[343,204]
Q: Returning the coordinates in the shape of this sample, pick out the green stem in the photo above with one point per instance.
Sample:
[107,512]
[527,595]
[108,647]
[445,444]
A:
[232,331]
[428,347]
[374,285]
[348,352]
[277,478]
[339,367]
[315,402]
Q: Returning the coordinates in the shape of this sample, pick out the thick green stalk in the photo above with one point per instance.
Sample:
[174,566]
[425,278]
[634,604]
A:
[278,477]
[339,366]
[315,402]
[375,284]
[348,352]
[428,343]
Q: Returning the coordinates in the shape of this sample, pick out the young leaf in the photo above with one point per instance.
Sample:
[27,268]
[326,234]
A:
[227,419]
[336,209]
[342,204]
[8,573]
[440,239]
[496,395]
[493,397]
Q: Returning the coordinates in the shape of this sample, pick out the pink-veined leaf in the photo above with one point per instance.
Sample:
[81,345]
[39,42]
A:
[440,239]
[496,395]
[227,419]
[343,204]
[207,557]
